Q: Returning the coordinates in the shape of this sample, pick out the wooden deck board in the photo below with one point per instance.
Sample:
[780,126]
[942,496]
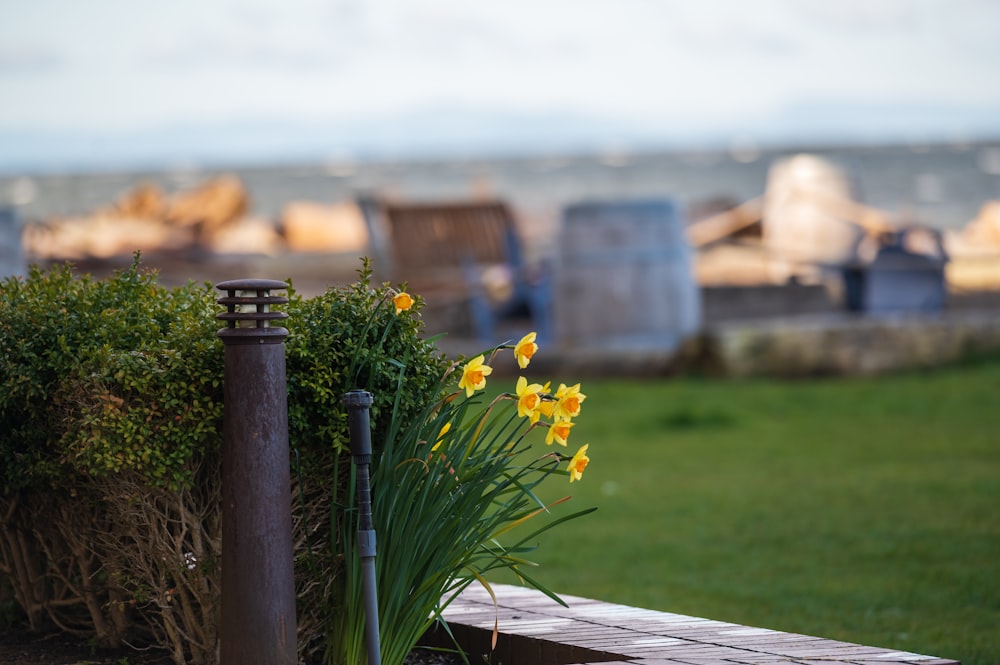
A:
[535,630]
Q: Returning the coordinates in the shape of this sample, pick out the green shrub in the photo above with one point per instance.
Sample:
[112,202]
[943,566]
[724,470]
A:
[104,385]
[101,375]
[351,338]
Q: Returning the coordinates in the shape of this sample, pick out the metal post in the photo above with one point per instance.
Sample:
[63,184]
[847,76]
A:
[358,402]
[258,578]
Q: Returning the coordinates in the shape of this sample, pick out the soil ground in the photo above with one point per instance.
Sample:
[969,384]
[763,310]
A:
[20,647]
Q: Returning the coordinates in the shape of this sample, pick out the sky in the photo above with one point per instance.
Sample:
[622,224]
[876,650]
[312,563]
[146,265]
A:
[110,79]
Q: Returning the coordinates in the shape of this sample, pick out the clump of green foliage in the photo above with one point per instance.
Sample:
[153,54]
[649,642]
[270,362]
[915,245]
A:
[111,400]
[99,376]
[350,338]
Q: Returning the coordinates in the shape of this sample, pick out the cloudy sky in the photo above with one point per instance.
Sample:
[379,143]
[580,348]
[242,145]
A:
[127,70]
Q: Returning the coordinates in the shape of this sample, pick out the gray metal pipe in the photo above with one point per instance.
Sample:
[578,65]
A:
[258,579]
[358,403]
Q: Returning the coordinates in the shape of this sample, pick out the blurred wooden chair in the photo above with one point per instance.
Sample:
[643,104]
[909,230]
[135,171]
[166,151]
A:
[466,252]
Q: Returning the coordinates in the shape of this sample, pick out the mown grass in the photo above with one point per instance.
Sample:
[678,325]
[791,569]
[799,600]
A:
[864,510]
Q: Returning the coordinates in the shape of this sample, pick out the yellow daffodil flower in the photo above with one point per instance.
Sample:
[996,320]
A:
[403,301]
[528,400]
[444,430]
[525,349]
[547,407]
[548,404]
[568,401]
[558,432]
[578,463]
[474,375]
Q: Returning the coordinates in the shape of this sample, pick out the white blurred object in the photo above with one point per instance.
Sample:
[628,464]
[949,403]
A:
[810,220]
[23,191]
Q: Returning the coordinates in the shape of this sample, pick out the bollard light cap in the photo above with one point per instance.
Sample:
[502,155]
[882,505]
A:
[358,399]
[252,285]
[248,314]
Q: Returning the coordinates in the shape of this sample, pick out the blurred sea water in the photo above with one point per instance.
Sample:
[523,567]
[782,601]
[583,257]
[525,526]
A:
[942,185]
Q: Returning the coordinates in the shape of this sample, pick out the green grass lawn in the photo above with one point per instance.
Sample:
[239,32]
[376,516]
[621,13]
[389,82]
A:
[864,510]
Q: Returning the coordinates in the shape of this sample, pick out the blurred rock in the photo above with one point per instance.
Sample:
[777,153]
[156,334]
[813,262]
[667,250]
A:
[145,201]
[101,236]
[250,235]
[984,230]
[211,206]
[145,219]
[975,252]
[318,227]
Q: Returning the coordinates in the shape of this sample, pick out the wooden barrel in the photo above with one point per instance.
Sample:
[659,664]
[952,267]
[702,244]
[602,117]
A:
[624,278]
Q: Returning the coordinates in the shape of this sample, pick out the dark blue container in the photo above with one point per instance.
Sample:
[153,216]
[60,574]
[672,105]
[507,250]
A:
[897,280]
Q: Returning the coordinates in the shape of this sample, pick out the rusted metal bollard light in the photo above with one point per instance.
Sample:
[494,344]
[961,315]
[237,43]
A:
[258,579]
[358,402]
